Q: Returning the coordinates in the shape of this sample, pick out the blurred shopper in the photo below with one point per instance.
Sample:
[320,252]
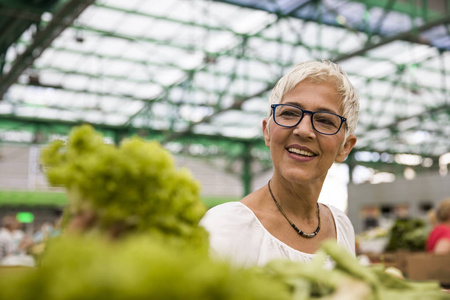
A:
[313,112]
[8,243]
[14,243]
[439,238]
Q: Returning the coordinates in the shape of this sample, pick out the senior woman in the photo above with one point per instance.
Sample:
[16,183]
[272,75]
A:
[312,118]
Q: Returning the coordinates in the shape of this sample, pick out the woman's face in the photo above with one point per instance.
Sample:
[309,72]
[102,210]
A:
[300,153]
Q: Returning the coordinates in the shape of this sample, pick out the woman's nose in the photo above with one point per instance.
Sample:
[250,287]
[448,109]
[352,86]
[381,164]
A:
[305,127]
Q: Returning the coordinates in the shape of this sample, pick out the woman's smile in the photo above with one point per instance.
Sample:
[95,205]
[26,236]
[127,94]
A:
[300,153]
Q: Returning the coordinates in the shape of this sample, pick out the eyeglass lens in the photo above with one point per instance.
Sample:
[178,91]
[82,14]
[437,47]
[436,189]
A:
[323,122]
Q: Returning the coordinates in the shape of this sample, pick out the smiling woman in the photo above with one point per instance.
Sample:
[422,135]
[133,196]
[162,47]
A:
[312,118]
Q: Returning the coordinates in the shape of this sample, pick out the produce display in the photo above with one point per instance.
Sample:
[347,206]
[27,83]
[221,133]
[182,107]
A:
[140,267]
[131,232]
[136,267]
[408,234]
[348,280]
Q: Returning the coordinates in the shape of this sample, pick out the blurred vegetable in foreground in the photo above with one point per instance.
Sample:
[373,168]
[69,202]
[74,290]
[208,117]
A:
[348,280]
[136,267]
[145,267]
[134,194]
[131,188]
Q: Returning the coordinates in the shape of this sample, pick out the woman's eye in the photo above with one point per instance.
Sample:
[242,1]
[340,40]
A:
[326,121]
[290,113]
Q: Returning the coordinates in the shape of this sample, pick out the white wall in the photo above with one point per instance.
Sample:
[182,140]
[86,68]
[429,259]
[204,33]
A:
[19,169]
[424,189]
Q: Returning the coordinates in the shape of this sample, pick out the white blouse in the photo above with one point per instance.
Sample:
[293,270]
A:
[237,235]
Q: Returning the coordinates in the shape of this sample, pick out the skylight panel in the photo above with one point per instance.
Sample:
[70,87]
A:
[386,51]
[356,65]
[245,87]
[114,119]
[379,69]
[15,92]
[169,76]
[108,20]
[91,65]
[136,51]
[147,91]
[78,82]
[163,7]
[124,87]
[221,41]
[77,41]
[189,61]
[110,46]
[256,105]
[69,115]
[47,113]
[252,22]
[129,4]
[64,60]
[25,111]
[238,131]
[46,58]
[135,25]
[6,108]
[131,107]
[413,54]
[195,113]
[101,84]
[119,68]
[93,116]
[236,117]
[109,104]
[427,78]
[163,30]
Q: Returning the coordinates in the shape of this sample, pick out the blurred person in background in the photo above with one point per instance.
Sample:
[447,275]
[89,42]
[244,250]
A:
[14,243]
[8,243]
[438,241]
[313,111]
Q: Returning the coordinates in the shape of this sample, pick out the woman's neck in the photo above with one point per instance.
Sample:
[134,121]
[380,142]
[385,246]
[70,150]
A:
[299,199]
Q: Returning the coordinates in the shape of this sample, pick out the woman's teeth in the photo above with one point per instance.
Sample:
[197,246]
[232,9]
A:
[300,152]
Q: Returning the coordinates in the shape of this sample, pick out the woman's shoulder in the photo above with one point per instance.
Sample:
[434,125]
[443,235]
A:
[339,215]
[344,228]
[227,213]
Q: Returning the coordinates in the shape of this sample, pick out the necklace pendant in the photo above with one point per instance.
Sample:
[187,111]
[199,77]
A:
[308,235]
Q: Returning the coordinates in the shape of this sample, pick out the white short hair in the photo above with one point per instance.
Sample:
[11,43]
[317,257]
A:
[321,71]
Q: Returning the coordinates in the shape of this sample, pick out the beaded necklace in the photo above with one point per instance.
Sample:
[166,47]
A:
[300,232]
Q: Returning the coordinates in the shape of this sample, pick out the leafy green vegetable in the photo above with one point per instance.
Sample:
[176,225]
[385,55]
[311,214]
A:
[408,234]
[134,267]
[347,280]
[131,188]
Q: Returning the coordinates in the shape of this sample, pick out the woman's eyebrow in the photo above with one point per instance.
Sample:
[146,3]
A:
[302,107]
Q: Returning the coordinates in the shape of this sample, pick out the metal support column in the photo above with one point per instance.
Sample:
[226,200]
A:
[247,168]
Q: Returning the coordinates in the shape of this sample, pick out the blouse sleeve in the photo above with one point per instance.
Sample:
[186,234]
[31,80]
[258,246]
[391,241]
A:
[345,230]
[230,229]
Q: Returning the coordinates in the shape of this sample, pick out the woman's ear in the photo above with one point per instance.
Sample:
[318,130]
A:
[265,127]
[346,148]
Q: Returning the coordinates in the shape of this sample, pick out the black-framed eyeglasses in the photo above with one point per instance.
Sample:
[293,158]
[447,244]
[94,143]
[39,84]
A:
[323,122]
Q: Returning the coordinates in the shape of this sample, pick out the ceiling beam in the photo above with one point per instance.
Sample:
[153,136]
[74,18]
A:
[407,35]
[363,50]
[432,10]
[62,19]
[404,35]
[12,119]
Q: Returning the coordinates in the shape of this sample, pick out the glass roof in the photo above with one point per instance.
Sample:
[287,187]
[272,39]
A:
[204,68]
